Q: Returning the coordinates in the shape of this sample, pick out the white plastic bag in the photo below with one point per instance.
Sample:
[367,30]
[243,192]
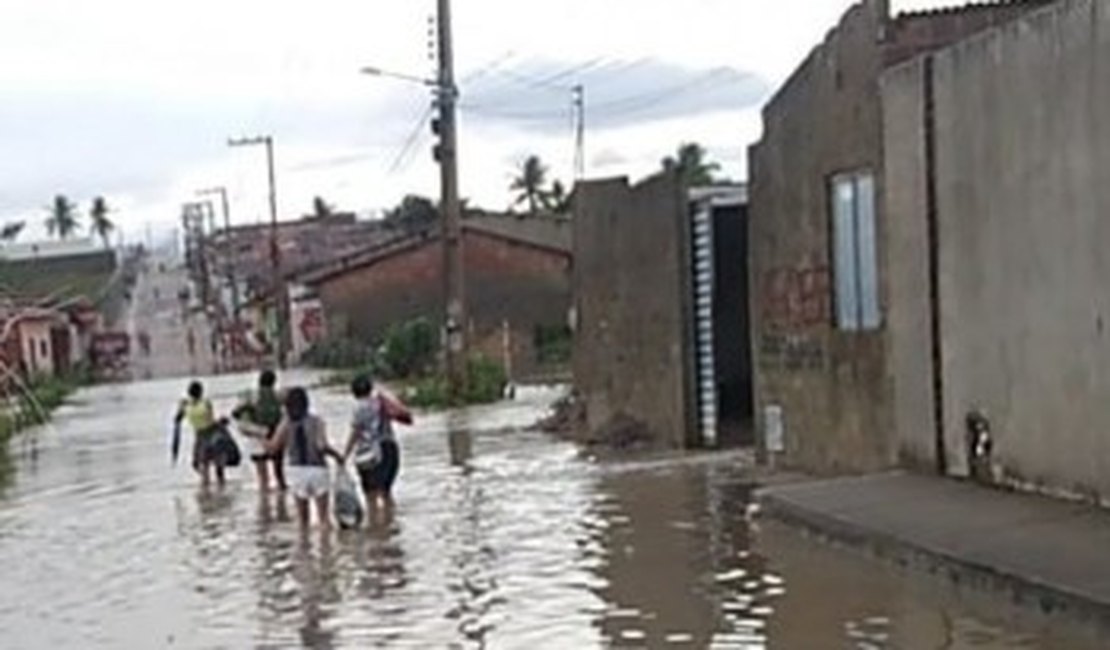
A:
[348,504]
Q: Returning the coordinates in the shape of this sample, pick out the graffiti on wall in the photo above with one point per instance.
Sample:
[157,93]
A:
[791,352]
[796,298]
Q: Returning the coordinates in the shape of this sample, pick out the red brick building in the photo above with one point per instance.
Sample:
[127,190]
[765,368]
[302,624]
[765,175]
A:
[517,280]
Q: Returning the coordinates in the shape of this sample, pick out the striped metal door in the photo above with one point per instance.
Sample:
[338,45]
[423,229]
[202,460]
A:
[703,286]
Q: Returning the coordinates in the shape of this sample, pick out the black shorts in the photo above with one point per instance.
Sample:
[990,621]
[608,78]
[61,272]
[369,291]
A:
[380,477]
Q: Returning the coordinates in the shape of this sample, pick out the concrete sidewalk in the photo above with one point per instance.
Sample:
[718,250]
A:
[1045,553]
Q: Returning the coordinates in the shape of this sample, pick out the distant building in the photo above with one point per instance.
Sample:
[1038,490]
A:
[54,298]
[517,275]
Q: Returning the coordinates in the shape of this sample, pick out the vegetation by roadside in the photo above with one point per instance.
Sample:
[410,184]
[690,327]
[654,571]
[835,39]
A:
[407,358]
[33,407]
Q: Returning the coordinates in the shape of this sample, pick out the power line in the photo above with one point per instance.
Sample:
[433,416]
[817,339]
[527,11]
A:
[611,108]
[411,141]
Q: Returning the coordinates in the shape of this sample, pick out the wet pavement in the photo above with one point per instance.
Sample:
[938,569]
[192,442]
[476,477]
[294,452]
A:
[502,538]
[157,311]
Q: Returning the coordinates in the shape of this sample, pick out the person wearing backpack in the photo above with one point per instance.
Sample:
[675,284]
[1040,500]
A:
[303,438]
[258,417]
[372,442]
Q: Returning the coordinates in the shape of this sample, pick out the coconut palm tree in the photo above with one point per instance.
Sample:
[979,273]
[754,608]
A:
[557,199]
[321,208]
[11,231]
[101,225]
[63,217]
[691,165]
[530,184]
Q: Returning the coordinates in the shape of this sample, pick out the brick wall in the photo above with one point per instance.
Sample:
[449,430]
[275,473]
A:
[506,281]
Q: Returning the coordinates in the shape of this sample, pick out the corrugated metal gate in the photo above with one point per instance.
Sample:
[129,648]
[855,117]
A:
[705,371]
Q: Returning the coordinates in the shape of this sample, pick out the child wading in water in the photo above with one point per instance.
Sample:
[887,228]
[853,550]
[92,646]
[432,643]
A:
[206,431]
[305,442]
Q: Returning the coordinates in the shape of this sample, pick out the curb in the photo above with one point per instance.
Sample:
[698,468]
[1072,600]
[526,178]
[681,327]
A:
[1021,590]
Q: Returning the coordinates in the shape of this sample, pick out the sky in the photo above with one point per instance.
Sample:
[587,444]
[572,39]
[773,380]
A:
[135,100]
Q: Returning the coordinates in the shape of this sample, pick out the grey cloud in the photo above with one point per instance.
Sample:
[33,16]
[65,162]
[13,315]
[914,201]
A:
[608,158]
[90,142]
[536,94]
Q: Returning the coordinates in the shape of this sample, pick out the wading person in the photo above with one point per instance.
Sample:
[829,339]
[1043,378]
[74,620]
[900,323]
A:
[258,417]
[301,434]
[372,442]
[200,415]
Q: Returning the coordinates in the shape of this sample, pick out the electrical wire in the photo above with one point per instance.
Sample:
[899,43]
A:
[412,140]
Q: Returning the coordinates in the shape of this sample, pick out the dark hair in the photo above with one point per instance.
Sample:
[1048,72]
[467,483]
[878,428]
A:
[196,390]
[296,403]
[362,386]
[267,379]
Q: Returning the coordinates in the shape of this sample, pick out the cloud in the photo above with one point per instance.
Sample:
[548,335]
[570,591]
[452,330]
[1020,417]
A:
[536,95]
[608,158]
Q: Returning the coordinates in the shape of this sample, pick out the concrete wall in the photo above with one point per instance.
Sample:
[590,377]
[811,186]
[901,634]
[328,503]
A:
[832,385]
[506,281]
[908,264]
[1022,177]
[1023,173]
[632,292]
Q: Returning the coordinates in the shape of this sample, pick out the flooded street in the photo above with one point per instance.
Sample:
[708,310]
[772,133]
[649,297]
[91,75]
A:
[502,538]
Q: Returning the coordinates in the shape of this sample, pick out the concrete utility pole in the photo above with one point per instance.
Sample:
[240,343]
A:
[447,155]
[579,93]
[229,265]
[278,288]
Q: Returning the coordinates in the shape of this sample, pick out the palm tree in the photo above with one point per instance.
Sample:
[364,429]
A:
[321,208]
[530,184]
[11,231]
[557,200]
[691,165]
[101,225]
[63,217]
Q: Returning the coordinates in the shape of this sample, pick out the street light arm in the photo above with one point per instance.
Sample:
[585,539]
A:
[378,72]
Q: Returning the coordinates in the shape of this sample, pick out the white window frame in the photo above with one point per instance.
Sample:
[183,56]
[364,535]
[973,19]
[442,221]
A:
[855,251]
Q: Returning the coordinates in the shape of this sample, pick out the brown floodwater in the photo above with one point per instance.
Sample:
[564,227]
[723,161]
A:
[502,537]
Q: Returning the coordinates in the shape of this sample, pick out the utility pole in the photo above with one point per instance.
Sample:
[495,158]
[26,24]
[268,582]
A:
[229,264]
[579,94]
[447,155]
[278,289]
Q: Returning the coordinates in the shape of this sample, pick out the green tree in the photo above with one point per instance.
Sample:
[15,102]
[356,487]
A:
[529,185]
[101,225]
[11,231]
[692,166]
[412,214]
[63,218]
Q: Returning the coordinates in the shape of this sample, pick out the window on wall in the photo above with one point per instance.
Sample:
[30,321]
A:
[854,252]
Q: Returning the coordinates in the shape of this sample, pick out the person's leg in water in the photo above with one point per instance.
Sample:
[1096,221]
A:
[279,471]
[323,511]
[204,468]
[262,470]
[302,512]
[219,463]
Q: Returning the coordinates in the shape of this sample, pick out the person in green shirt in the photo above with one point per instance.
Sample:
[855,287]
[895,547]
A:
[258,417]
[200,415]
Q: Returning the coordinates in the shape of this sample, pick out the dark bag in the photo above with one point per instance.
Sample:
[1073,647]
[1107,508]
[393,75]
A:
[226,446]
